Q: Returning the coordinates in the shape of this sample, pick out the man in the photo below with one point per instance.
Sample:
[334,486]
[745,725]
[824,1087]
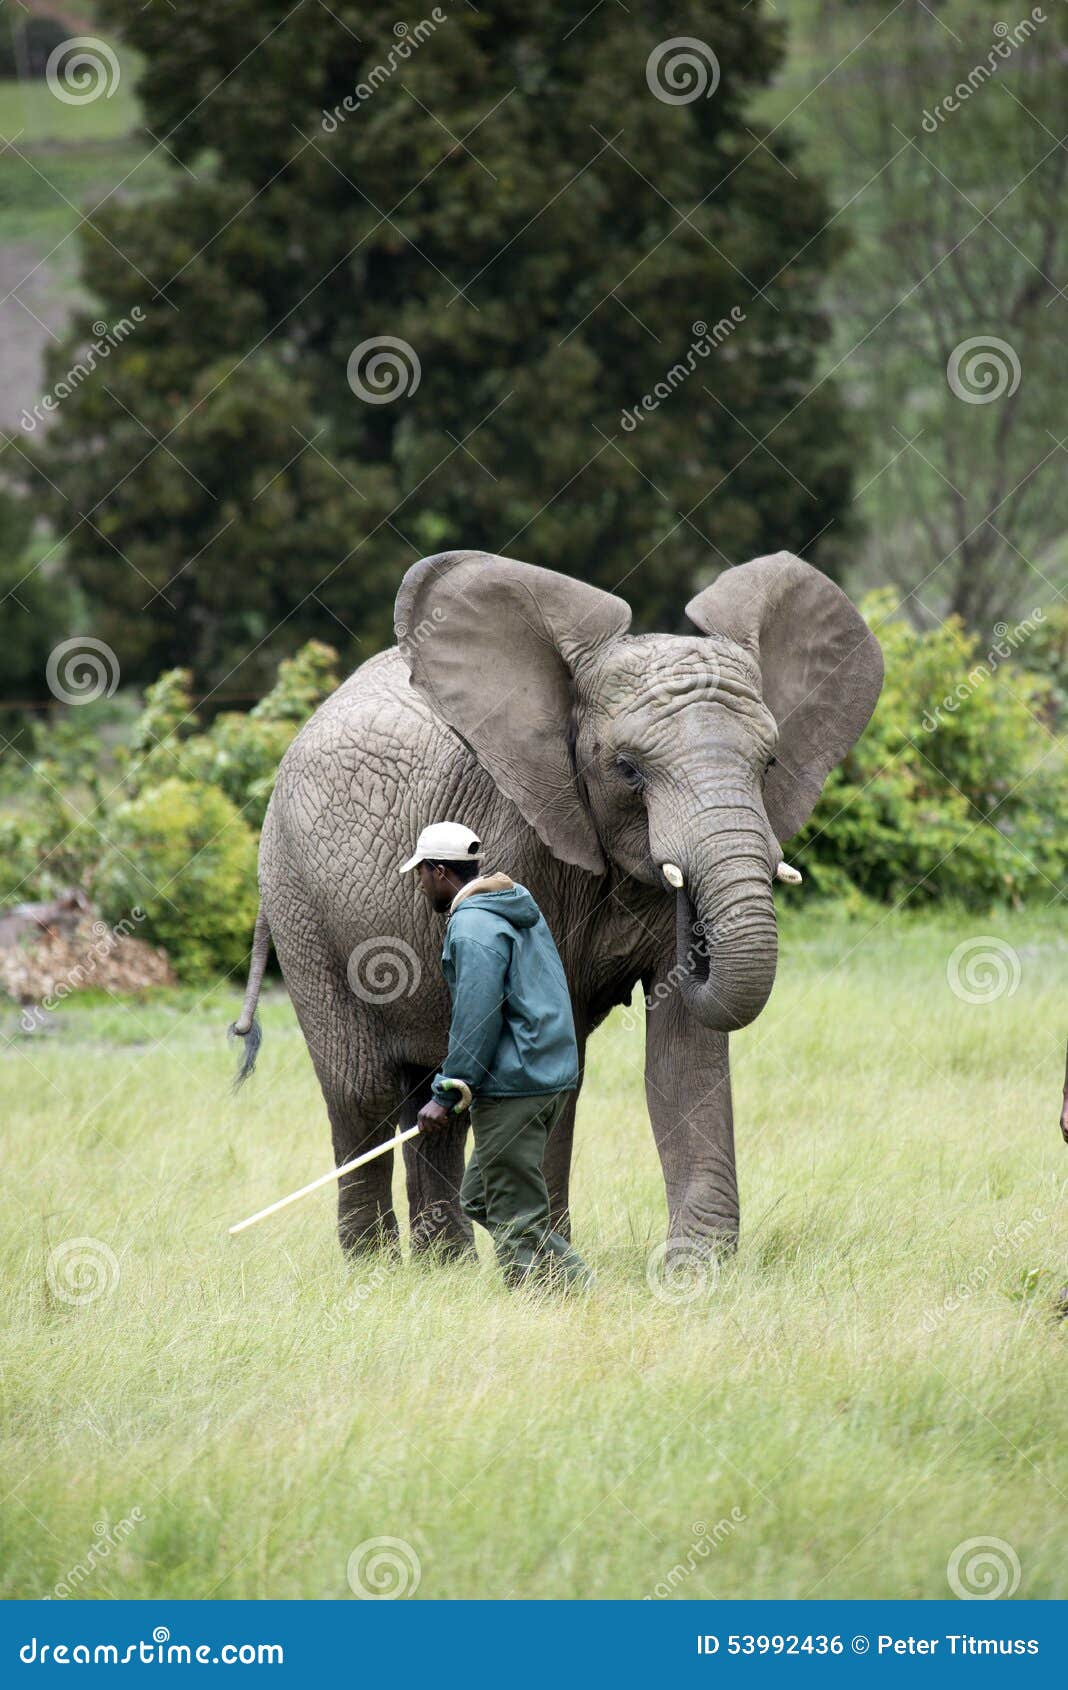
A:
[512,1053]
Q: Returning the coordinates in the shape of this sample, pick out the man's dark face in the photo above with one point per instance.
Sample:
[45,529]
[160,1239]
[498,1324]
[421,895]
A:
[437,886]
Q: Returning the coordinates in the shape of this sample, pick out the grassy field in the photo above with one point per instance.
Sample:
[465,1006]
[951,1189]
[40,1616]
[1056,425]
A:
[234,1418]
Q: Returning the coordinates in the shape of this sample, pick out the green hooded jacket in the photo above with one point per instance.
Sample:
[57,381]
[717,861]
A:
[512,1032]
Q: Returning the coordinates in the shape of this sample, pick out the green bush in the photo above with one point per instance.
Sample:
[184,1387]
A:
[182,853]
[167,818]
[45,846]
[956,790]
[1046,654]
[239,752]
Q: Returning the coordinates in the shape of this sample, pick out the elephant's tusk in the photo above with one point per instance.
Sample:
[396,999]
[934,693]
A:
[792,876]
[672,874]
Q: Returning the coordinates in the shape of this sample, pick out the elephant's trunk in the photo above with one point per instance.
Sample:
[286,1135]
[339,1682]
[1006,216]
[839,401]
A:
[727,939]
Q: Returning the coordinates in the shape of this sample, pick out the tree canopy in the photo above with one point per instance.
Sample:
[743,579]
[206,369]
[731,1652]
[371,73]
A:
[519,277]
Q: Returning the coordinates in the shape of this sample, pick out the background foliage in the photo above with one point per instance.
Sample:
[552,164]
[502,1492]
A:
[483,206]
[514,202]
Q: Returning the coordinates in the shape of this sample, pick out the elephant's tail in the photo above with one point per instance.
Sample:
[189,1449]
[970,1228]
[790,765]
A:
[247,1026]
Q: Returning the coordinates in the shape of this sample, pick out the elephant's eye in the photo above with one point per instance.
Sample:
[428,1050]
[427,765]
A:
[770,764]
[630,772]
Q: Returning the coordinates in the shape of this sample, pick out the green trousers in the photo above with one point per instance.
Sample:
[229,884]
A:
[504,1188]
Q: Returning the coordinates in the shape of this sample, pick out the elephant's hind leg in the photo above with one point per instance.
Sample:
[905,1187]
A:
[357,1083]
[365,1216]
[435,1167]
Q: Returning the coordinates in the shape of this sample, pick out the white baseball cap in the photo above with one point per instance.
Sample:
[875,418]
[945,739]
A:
[445,842]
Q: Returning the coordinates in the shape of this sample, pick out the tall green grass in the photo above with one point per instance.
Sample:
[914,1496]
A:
[817,1418]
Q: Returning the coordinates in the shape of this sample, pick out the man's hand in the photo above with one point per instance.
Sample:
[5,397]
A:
[433,1116]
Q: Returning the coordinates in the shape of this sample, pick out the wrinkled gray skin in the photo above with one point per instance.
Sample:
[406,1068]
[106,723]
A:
[585,758]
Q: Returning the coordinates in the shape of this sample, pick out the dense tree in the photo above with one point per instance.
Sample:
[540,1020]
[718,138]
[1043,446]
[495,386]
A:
[943,131]
[37,605]
[561,215]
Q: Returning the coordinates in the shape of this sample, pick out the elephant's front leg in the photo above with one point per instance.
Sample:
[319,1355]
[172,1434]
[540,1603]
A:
[688,1089]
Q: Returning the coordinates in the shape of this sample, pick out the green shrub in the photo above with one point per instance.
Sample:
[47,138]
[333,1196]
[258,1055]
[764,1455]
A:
[240,752]
[956,790]
[182,853]
[1046,654]
[45,847]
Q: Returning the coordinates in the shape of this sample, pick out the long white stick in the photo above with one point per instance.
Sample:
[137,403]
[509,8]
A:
[325,1179]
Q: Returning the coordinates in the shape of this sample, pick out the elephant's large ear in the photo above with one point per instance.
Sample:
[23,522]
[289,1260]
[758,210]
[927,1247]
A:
[821,665]
[491,644]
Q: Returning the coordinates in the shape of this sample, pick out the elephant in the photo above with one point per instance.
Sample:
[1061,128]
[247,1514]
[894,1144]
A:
[642,788]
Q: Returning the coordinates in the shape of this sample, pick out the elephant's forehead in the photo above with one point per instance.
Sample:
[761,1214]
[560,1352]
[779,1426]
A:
[650,668]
